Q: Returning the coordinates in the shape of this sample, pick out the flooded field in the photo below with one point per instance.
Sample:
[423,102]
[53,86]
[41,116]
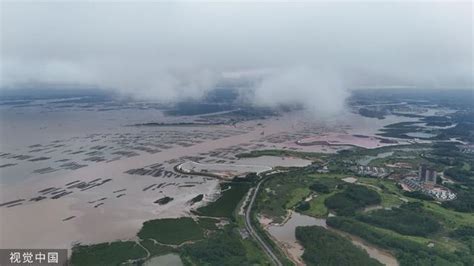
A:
[225,171]
[88,178]
[241,167]
[273,161]
[168,259]
[345,140]
[421,135]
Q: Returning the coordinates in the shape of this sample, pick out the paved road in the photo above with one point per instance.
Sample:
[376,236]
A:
[248,224]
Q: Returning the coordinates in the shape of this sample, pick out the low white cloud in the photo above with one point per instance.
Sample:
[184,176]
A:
[320,91]
[306,53]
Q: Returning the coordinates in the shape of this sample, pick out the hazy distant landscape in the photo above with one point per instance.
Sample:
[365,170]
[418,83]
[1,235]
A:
[139,160]
[241,133]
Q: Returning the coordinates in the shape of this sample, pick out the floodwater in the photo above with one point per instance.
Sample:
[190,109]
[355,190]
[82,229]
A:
[273,161]
[99,214]
[223,170]
[168,260]
[285,234]
[382,256]
[421,135]
[116,209]
[244,166]
[363,141]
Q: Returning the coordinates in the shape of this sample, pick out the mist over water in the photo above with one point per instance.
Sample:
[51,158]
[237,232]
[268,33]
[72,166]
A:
[307,54]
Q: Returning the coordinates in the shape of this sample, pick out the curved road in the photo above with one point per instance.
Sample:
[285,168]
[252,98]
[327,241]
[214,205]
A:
[248,224]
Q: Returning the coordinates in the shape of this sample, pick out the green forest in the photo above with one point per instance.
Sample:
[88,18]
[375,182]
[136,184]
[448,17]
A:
[323,247]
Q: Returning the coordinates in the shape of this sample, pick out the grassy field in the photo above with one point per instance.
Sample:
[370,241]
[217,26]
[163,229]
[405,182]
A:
[317,207]
[226,204]
[254,252]
[156,249]
[390,200]
[450,218]
[295,196]
[466,166]
[106,254]
[279,193]
[387,189]
[171,231]
[286,190]
[208,223]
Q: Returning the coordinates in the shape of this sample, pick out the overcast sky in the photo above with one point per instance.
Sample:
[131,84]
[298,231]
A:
[309,53]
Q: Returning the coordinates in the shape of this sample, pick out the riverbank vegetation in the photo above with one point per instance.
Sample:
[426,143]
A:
[106,254]
[171,231]
[323,247]
[224,206]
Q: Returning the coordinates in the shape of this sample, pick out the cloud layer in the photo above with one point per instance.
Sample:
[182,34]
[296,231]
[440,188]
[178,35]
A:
[303,53]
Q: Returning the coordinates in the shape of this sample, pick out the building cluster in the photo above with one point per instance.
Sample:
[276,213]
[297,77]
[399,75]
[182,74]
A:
[323,170]
[426,183]
[469,149]
[371,171]
[427,175]
[442,193]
